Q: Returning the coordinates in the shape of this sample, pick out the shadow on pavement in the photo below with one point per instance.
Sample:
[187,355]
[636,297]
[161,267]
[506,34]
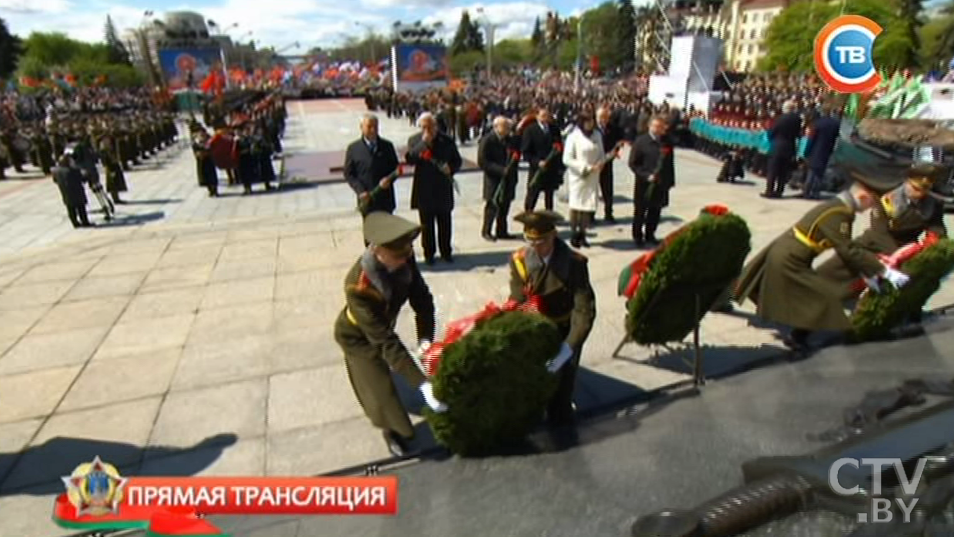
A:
[718,360]
[469,261]
[150,202]
[133,219]
[39,468]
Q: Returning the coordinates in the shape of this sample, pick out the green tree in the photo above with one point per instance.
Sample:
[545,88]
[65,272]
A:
[937,39]
[53,48]
[601,37]
[793,32]
[461,42]
[909,19]
[475,37]
[10,50]
[626,34]
[117,52]
[513,52]
[466,62]
[536,38]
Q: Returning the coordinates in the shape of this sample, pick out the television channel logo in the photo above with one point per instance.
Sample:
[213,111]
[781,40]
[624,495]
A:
[844,54]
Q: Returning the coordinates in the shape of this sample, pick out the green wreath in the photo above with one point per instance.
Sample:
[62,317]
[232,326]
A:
[703,258]
[495,383]
[877,314]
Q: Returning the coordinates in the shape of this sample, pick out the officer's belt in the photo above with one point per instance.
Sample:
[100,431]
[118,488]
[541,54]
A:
[816,246]
[561,319]
[354,321]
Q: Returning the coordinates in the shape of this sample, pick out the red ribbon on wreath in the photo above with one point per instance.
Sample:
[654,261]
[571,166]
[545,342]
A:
[901,256]
[638,268]
[461,327]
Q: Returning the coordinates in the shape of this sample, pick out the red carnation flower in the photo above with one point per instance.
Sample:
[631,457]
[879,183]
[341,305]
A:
[716,210]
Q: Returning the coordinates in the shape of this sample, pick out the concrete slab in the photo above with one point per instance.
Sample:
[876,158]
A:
[46,351]
[187,418]
[35,394]
[309,398]
[114,381]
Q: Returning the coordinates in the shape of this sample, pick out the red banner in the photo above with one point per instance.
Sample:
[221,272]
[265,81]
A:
[176,506]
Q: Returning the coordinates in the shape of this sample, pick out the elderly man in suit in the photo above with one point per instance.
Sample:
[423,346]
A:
[498,156]
[435,159]
[651,161]
[821,143]
[783,136]
[370,167]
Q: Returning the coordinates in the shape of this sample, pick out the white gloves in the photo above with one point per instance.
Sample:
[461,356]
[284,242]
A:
[896,277]
[427,390]
[872,284]
[560,359]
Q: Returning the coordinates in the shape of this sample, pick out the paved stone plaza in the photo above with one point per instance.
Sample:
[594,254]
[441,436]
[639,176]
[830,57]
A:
[193,335]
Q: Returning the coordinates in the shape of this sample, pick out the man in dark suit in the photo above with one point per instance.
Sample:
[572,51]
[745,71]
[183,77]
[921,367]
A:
[820,145]
[435,159]
[497,150]
[651,160]
[542,139]
[371,162]
[611,133]
[69,179]
[784,136]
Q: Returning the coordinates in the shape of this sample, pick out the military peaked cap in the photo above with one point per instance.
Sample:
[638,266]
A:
[538,223]
[924,175]
[390,231]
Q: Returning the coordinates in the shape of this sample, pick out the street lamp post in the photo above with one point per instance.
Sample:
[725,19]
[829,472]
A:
[489,28]
[371,40]
[579,54]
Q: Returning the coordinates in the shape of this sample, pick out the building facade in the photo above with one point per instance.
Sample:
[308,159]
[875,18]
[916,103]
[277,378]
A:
[741,24]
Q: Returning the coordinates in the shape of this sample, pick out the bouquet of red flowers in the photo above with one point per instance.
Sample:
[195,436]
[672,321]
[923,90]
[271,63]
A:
[428,156]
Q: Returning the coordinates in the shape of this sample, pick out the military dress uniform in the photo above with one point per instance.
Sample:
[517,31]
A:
[365,327]
[896,220]
[786,289]
[561,283]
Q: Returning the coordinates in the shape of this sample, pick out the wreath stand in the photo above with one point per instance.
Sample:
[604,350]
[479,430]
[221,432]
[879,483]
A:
[700,299]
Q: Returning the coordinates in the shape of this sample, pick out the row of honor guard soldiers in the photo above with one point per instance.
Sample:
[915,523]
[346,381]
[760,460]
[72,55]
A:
[122,140]
[244,148]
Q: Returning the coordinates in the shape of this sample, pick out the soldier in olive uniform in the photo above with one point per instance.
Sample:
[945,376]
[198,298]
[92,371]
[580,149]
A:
[548,269]
[786,289]
[899,219]
[376,287]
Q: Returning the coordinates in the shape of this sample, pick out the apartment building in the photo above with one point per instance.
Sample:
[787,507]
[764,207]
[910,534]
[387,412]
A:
[741,24]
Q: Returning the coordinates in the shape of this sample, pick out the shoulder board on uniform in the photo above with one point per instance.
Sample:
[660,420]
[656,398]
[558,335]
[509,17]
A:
[519,263]
[364,286]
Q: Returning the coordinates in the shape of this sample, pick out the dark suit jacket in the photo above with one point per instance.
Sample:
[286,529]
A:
[364,171]
[70,182]
[648,157]
[432,191]
[536,146]
[492,157]
[822,142]
[784,134]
